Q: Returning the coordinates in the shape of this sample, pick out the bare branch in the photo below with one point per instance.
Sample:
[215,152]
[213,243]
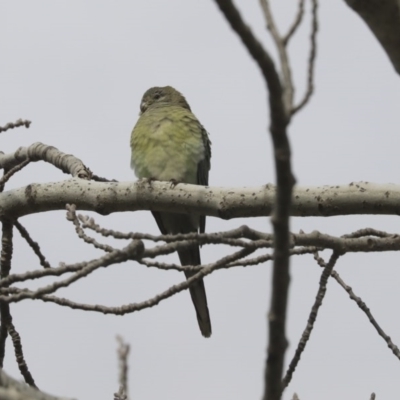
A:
[123,353]
[367,232]
[129,308]
[41,152]
[16,124]
[97,178]
[287,83]
[266,257]
[296,23]
[5,267]
[372,241]
[11,389]
[383,18]
[258,239]
[132,251]
[19,355]
[311,59]
[362,198]
[227,237]
[34,245]
[6,248]
[311,319]
[263,60]
[7,175]
[71,216]
[239,263]
[368,313]
[120,395]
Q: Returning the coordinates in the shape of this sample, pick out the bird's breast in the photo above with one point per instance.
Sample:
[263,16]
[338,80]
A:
[166,149]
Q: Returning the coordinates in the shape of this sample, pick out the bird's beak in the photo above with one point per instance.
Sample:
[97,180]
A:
[143,107]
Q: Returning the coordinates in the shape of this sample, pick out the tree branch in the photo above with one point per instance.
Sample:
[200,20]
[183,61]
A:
[5,267]
[368,313]
[20,294]
[34,245]
[132,251]
[362,198]
[383,18]
[67,163]
[16,124]
[7,175]
[296,23]
[11,389]
[19,355]
[123,353]
[287,83]
[328,268]
[311,59]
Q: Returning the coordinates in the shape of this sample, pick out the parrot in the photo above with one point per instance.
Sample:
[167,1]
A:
[168,143]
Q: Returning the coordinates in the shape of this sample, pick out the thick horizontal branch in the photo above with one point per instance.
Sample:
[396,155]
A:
[226,203]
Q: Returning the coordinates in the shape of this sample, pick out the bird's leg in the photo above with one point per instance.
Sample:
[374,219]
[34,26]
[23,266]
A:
[147,180]
[173,183]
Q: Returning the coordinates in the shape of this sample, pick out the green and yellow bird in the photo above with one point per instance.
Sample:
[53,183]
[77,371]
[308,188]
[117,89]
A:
[169,144]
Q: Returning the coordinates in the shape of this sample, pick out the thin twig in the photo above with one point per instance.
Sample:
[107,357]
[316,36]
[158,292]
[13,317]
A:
[287,83]
[120,395]
[34,245]
[242,232]
[311,59]
[19,355]
[40,273]
[5,267]
[362,240]
[103,261]
[367,311]
[132,251]
[129,308]
[7,175]
[260,55]
[266,257]
[311,319]
[97,178]
[123,353]
[296,23]
[71,216]
[16,124]
[305,243]
[367,232]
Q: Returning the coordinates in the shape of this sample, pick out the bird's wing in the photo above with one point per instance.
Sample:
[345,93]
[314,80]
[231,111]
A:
[203,168]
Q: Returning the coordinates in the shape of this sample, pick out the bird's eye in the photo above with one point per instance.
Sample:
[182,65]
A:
[157,96]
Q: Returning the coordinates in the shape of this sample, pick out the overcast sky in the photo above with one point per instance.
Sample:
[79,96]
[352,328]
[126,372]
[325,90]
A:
[77,70]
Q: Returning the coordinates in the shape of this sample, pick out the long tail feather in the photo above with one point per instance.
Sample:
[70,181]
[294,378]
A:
[197,290]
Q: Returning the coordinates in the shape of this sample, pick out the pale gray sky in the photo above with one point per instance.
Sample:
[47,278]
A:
[78,69]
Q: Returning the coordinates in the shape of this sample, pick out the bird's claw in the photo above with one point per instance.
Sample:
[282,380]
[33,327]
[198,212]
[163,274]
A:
[173,183]
[148,180]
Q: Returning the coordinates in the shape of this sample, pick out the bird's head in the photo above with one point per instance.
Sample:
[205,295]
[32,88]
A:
[166,95]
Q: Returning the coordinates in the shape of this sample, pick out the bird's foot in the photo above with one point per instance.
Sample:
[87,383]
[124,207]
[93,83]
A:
[173,183]
[147,180]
